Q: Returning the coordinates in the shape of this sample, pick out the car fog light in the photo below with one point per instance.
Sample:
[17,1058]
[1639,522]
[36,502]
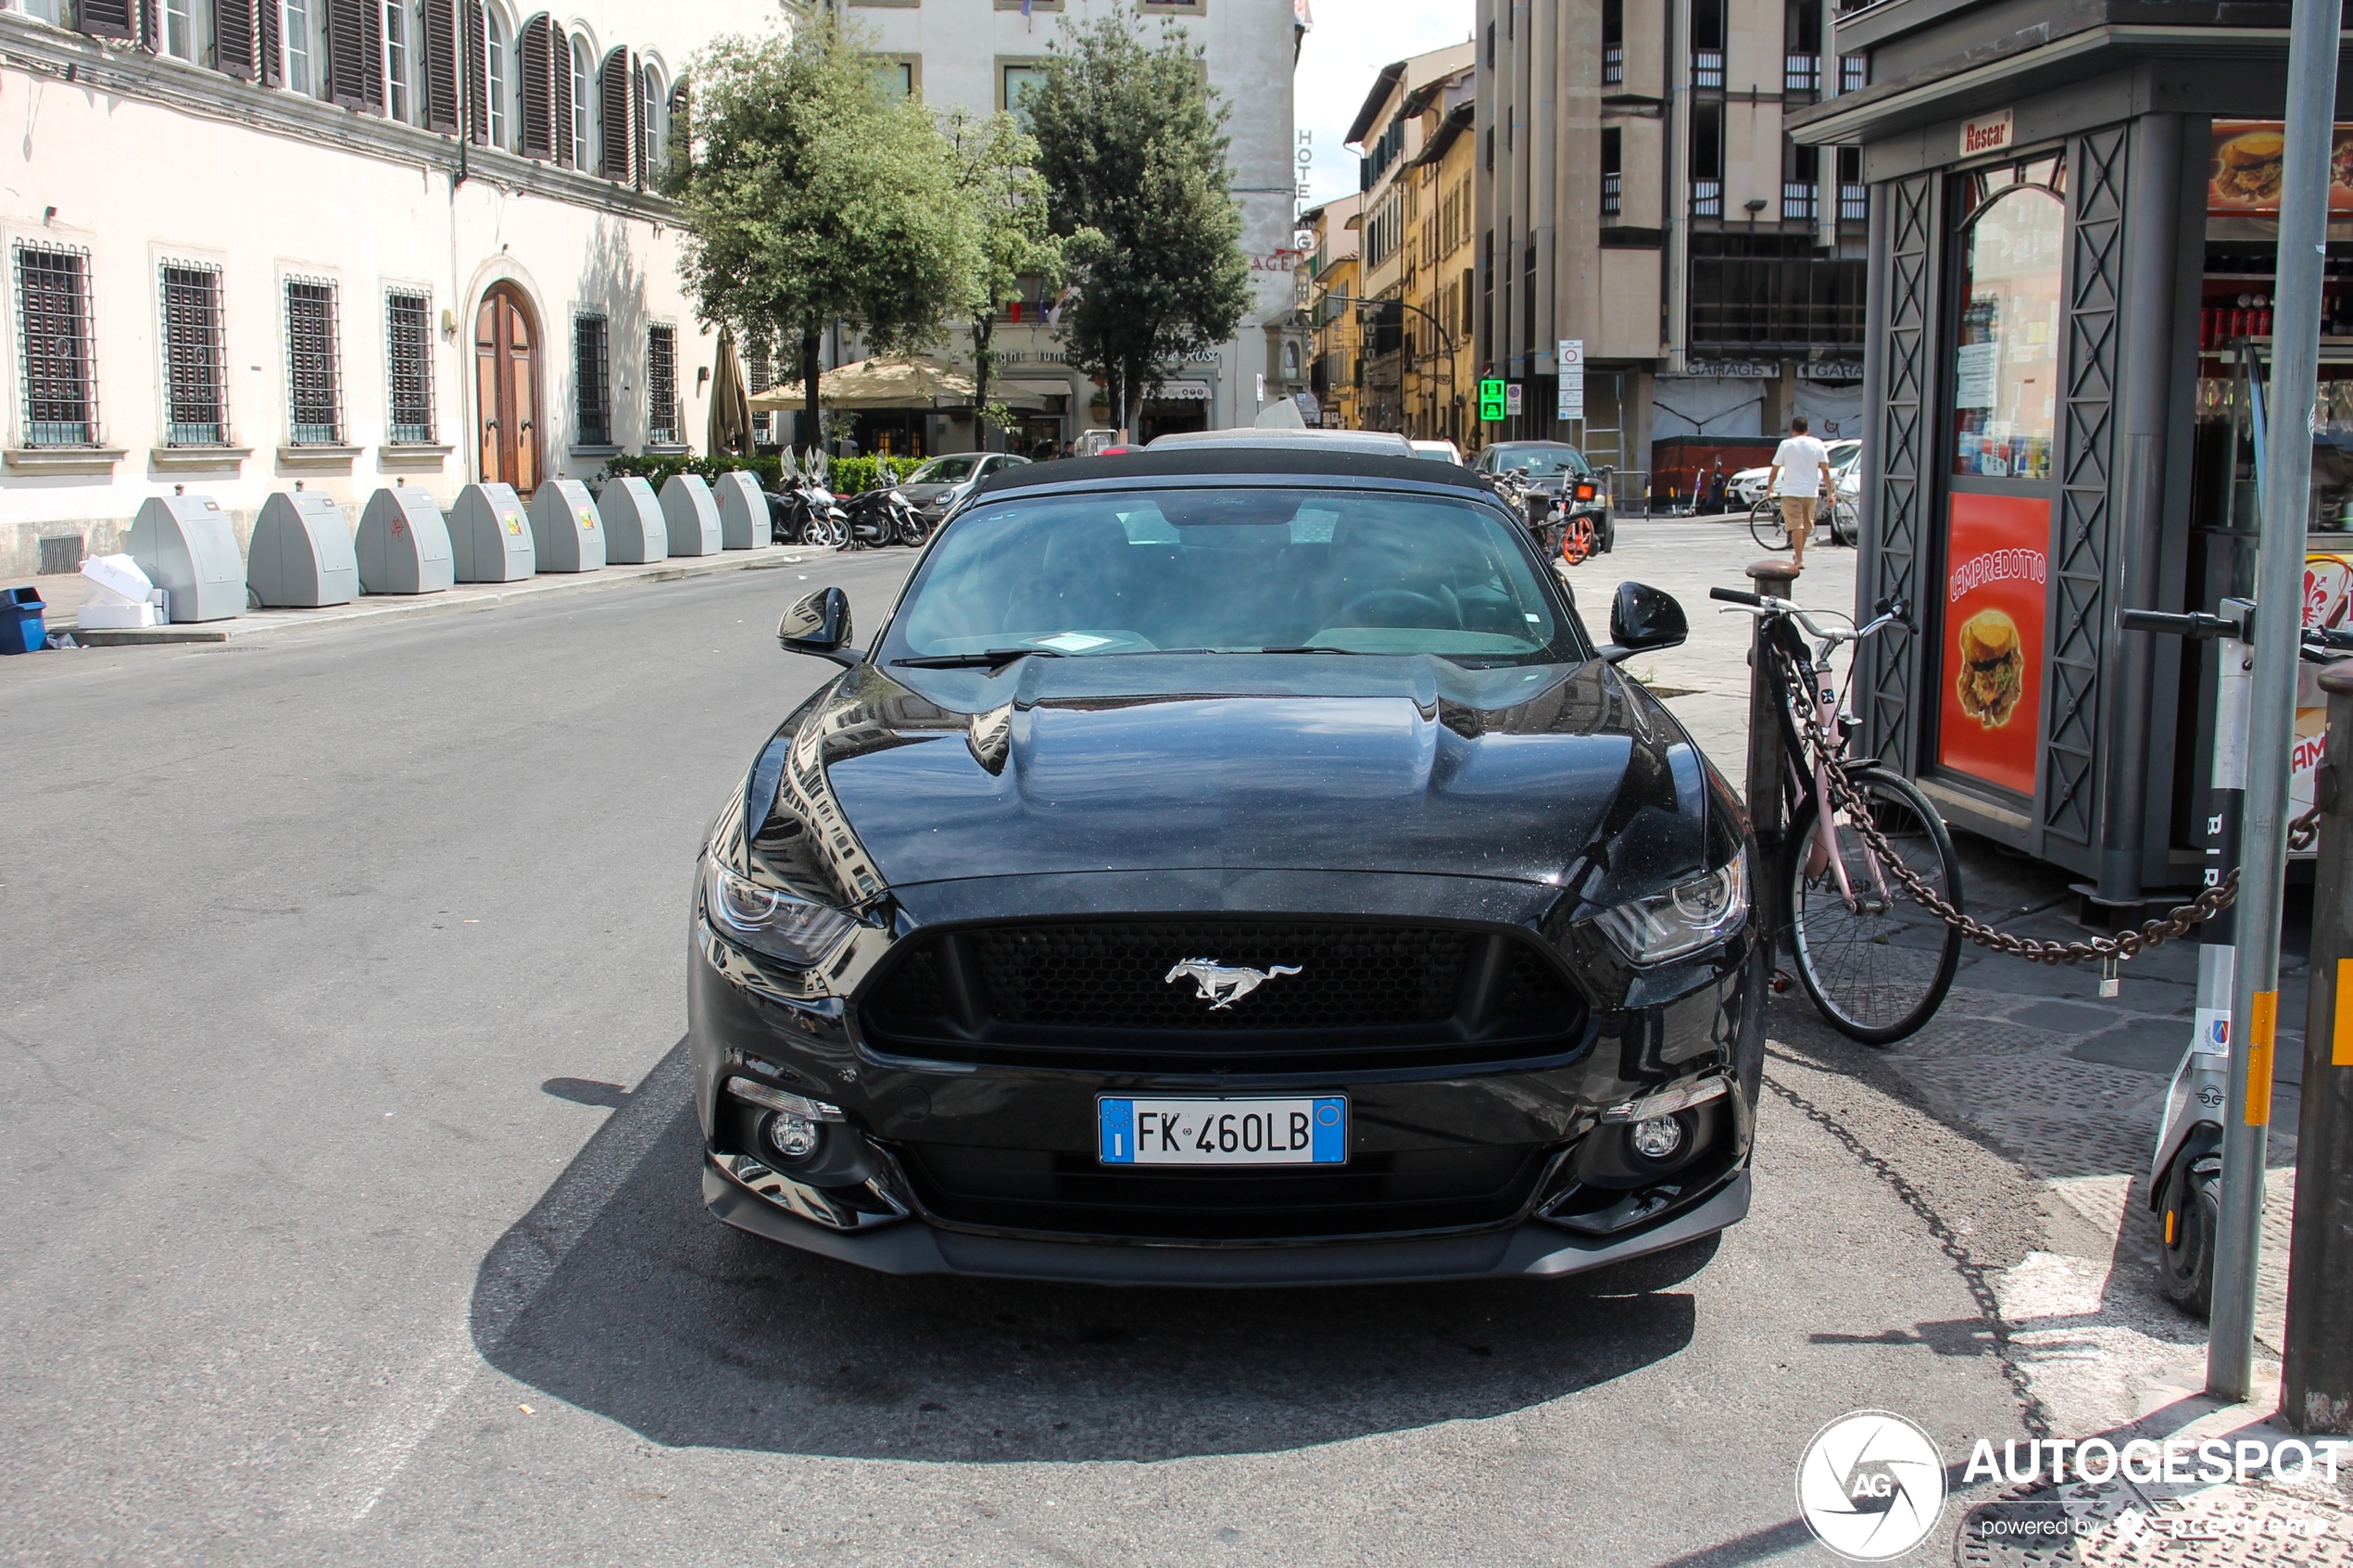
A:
[793,1137]
[1657,1139]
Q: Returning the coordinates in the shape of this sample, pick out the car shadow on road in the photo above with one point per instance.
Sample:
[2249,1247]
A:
[619,1294]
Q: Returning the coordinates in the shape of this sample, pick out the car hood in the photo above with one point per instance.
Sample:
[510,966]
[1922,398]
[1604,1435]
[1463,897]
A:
[1571,776]
[926,491]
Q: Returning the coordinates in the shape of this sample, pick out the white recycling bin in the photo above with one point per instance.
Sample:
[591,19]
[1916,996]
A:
[564,530]
[404,544]
[692,513]
[489,535]
[300,555]
[634,532]
[185,546]
[743,512]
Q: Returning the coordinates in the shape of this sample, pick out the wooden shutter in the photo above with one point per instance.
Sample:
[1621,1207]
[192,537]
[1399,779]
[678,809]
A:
[561,49]
[535,51]
[617,94]
[641,104]
[477,73]
[355,55]
[682,126]
[233,38]
[439,40]
[151,26]
[270,32]
[109,18]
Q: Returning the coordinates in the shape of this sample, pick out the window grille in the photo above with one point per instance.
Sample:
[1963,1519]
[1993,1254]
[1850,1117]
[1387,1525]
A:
[1798,199]
[661,386]
[1802,73]
[1613,64]
[314,364]
[1853,204]
[1851,73]
[1707,67]
[591,382]
[53,340]
[1613,193]
[1707,198]
[759,376]
[408,358]
[195,371]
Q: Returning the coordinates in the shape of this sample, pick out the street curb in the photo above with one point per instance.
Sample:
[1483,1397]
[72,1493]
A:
[374,610]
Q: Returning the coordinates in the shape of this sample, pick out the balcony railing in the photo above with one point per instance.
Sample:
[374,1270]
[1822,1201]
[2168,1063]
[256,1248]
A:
[1851,72]
[1613,193]
[1802,73]
[1613,64]
[1707,67]
[1707,198]
[1798,200]
[1853,204]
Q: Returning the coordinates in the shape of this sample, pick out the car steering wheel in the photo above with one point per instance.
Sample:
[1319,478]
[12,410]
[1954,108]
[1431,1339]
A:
[1388,603]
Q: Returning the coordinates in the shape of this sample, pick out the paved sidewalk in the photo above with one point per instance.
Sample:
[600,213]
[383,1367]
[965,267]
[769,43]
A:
[63,593]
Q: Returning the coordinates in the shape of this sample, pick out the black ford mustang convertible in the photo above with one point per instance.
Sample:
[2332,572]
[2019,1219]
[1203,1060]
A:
[1228,867]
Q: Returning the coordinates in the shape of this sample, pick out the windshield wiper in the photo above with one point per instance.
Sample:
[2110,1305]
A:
[988,661]
[1309,648]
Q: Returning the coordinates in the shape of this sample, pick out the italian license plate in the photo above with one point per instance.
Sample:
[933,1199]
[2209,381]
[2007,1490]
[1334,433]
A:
[1223,1132]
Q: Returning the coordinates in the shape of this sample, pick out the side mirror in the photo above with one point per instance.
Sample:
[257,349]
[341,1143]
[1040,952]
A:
[1642,619]
[820,625]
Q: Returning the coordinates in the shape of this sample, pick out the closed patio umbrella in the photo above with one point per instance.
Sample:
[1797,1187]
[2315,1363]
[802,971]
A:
[730,401]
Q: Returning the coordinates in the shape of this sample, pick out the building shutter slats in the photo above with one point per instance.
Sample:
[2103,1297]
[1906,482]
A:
[536,45]
[682,126]
[109,19]
[269,34]
[618,93]
[355,47]
[151,26]
[477,73]
[439,40]
[233,38]
[560,63]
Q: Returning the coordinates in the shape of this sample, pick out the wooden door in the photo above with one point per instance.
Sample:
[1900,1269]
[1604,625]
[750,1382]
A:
[507,390]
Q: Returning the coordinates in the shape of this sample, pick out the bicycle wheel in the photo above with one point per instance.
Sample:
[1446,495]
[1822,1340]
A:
[1874,959]
[1845,527]
[1765,525]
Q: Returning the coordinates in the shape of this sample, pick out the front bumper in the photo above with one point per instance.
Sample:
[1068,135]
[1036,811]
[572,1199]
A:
[1529,1250]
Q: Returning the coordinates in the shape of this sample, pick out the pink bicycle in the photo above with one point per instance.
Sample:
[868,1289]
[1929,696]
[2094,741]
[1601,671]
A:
[1862,845]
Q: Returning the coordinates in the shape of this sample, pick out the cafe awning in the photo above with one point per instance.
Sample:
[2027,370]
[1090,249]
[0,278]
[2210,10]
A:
[904,381]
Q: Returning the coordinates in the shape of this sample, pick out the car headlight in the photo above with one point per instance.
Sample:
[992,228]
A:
[1684,919]
[768,920]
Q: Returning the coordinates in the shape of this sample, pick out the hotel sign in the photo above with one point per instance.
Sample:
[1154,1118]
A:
[1988,136]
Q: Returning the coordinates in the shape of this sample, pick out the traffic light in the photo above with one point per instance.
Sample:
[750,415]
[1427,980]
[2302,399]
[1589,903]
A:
[1491,399]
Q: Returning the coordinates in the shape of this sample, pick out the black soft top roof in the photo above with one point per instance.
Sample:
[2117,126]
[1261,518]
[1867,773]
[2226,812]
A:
[1218,463]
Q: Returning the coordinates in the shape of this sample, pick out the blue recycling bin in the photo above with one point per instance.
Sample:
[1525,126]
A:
[22,627]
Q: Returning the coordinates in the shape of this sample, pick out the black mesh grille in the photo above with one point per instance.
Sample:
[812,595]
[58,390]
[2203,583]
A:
[1120,995]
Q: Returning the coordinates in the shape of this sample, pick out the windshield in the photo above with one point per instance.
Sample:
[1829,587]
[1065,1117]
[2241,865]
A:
[1540,462]
[1845,452]
[1233,570]
[945,470]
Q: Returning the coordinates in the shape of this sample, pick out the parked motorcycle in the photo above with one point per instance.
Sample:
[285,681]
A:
[808,510]
[884,515]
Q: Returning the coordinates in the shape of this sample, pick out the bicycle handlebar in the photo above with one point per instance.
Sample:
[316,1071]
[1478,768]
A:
[1734,596]
[1891,613]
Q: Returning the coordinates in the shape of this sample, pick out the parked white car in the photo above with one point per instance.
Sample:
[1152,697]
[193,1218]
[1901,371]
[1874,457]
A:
[1438,452]
[1847,472]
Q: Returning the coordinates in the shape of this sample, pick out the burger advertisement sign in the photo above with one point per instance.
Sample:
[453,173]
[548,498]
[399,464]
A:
[1995,581]
[2244,174]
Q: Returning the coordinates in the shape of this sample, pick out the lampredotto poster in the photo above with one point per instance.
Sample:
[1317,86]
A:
[1996,578]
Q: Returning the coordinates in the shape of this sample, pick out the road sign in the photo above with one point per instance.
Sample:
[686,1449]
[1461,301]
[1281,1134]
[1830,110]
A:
[1512,399]
[1571,361]
[1491,399]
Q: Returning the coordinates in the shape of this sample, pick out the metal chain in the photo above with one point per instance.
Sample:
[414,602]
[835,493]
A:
[2301,832]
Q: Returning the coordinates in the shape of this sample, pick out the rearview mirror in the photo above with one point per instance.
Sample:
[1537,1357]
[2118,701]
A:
[1642,619]
[819,624]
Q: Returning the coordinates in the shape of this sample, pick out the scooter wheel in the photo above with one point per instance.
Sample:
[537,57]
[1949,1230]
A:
[2189,1216]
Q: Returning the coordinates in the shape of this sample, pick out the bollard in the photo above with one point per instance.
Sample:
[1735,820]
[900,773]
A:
[2316,1368]
[1767,764]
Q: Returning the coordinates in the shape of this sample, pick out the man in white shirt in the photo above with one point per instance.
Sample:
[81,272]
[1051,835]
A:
[1806,464]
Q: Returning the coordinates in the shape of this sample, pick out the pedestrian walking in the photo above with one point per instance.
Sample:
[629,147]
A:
[1806,463]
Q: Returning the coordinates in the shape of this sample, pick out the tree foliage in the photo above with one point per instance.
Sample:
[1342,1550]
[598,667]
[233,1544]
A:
[813,195]
[1005,200]
[1133,153]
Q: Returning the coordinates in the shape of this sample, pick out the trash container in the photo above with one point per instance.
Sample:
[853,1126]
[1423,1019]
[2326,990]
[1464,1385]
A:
[300,555]
[692,514]
[743,512]
[489,537]
[22,627]
[404,544]
[634,532]
[563,527]
[186,547]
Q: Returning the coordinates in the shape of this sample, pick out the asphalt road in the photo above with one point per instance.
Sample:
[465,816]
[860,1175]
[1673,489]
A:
[350,1210]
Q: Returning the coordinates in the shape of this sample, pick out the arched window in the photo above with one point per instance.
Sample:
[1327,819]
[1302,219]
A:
[2005,355]
[584,104]
[653,118]
[500,73]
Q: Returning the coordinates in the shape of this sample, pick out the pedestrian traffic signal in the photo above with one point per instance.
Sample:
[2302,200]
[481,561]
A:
[1490,397]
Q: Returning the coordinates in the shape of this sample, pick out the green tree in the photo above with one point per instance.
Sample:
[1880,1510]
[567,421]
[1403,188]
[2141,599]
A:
[814,194]
[1005,201]
[1133,152]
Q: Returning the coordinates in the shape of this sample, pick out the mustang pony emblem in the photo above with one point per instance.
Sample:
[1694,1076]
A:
[1221,986]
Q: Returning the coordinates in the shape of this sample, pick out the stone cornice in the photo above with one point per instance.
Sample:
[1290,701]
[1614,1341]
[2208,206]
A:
[131,72]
